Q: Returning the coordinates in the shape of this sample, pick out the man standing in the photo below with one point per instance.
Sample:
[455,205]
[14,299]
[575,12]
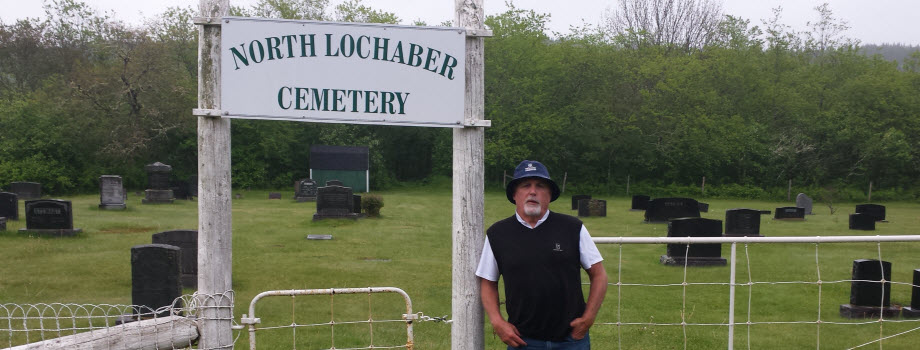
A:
[539,254]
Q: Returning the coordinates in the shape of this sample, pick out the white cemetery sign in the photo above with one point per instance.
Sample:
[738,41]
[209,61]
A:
[351,73]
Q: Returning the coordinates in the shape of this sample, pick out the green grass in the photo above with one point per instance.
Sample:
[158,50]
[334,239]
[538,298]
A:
[409,247]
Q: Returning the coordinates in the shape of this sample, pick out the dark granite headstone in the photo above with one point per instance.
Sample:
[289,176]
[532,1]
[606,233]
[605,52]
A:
[915,291]
[192,186]
[697,254]
[356,207]
[576,198]
[2,223]
[26,190]
[111,193]
[180,190]
[158,189]
[704,207]
[742,222]
[805,202]
[866,289]
[789,213]
[592,207]
[274,195]
[913,311]
[334,183]
[305,190]
[640,202]
[49,217]
[187,242]
[878,211]
[155,277]
[334,202]
[861,221]
[9,205]
[869,296]
[660,210]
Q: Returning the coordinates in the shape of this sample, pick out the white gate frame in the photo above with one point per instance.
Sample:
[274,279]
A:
[251,320]
[214,186]
[733,257]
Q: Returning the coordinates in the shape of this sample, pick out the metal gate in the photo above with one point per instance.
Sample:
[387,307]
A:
[251,320]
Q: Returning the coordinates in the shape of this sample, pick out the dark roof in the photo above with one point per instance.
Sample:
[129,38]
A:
[339,157]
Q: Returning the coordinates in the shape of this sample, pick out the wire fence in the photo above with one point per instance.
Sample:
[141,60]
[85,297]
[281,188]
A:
[753,306]
[106,326]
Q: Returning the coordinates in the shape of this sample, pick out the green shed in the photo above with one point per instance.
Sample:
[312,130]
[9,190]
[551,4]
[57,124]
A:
[348,164]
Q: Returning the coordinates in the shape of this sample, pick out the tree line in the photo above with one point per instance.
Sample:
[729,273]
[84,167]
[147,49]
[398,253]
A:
[748,107]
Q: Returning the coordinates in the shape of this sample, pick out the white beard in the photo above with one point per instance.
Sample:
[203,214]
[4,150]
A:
[532,209]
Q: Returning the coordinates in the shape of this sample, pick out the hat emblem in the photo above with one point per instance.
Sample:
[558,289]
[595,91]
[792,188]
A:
[530,167]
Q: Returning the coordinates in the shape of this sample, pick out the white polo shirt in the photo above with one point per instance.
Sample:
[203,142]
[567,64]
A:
[589,255]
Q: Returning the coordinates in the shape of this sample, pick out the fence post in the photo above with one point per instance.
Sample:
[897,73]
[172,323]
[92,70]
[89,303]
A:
[627,185]
[870,192]
[468,191]
[731,298]
[703,186]
[789,191]
[214,192]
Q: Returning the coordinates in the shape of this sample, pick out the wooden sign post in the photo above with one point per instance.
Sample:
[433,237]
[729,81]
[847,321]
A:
[215,294]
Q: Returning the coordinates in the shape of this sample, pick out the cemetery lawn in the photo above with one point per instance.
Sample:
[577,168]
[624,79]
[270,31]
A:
[409,247]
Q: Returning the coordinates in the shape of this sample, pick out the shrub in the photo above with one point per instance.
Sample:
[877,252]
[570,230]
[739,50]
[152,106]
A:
[371,204]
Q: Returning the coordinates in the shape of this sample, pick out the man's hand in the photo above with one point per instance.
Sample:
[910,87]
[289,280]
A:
[508,333]
[580,327]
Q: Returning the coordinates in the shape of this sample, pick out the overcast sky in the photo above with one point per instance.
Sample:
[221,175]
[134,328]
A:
[870,21]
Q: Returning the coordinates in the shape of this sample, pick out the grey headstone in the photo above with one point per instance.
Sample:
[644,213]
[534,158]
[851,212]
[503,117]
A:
[319,237]
[155,276]
[305,190]
[187,242]
[111,192]
[274,195]
[9,205]
[334,202]
[660,210]
[26,190]
[158,189]
[158,176]
[803,201]
[2,223]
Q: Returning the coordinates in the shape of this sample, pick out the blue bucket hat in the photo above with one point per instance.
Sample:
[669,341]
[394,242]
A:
[530,168]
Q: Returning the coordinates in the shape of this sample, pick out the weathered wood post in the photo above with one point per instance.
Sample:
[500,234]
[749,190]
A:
[214,202]
[468,191]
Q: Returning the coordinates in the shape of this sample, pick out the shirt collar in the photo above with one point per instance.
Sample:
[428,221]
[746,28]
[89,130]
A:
[521,220]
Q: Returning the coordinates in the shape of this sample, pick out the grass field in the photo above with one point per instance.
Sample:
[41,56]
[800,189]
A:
[409,247]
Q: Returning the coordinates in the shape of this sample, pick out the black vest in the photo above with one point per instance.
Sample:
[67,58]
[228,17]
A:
[541,269]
